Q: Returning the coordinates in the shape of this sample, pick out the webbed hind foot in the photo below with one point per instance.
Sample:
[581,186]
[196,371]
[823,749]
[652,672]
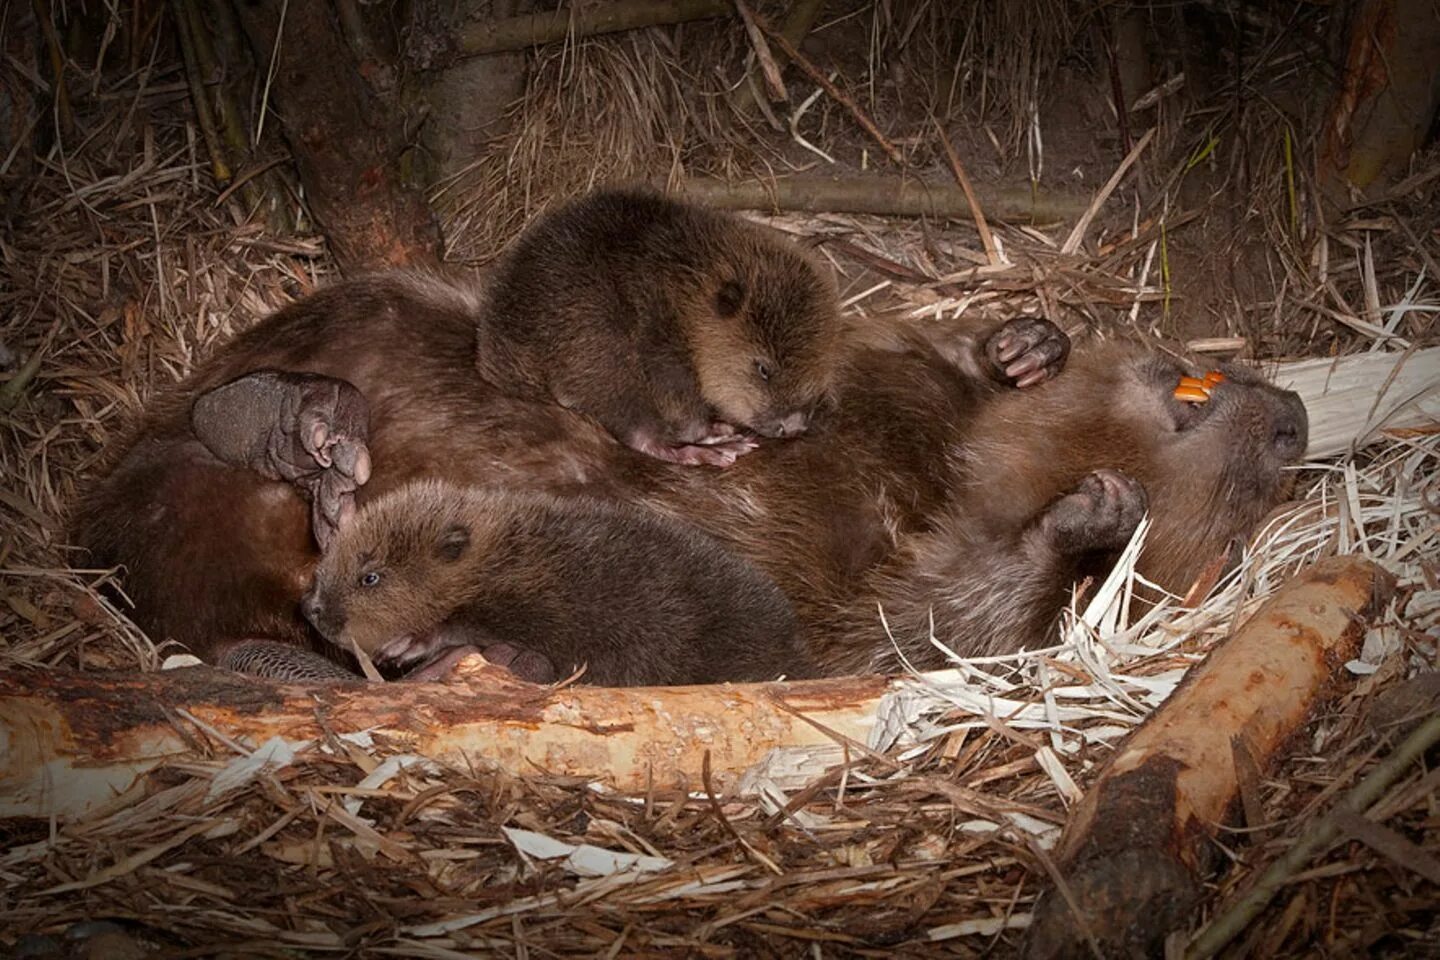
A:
[302,428]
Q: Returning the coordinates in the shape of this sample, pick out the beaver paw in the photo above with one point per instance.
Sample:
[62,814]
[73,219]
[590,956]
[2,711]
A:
[528,665]
[302,428]
[525,664]
[721,451]
[1026,351]
[1100,514]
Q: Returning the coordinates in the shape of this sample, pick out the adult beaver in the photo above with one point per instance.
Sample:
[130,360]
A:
[932,487]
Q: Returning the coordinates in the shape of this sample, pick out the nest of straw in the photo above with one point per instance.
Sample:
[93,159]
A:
[121,265]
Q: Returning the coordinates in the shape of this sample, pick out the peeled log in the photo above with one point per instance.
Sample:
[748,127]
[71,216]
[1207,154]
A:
[1135,850]
[70,742]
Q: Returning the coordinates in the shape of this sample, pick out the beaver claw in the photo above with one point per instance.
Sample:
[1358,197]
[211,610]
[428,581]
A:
[721,451]
[302,428]
[524,663]
[1026,351]
[1100,514]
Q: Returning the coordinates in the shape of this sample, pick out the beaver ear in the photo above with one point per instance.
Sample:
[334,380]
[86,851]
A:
[730,298]
[454,541]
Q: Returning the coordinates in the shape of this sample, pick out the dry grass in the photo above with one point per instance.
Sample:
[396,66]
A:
[119,269]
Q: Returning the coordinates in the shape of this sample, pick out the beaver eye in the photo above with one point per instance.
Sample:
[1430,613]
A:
[762,370]
[369,578]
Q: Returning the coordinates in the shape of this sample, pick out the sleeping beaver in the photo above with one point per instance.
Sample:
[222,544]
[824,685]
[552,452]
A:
[548,585]
[680,329]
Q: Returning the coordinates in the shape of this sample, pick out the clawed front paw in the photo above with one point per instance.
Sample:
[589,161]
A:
[1027,350]
[719,451]
[524,663]
[1100,514]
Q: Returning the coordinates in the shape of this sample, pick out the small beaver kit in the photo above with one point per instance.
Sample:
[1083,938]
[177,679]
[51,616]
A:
[546,585]
[684,331]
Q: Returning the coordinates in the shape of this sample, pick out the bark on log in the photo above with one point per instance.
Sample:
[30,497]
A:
[70,742]
[883,196]
[1135,850]
[347,143]
[532,29]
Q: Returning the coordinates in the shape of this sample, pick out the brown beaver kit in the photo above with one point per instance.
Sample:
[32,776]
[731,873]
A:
[546,585]
[679,328]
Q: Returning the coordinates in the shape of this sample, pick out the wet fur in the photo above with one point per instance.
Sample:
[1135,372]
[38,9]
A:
[919,490]
[634,598]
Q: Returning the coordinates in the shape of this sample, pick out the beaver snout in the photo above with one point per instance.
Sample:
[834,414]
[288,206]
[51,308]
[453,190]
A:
[320,615]
[790,425]
[1290,432]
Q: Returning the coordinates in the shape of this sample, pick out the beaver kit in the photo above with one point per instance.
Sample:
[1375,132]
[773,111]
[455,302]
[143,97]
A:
[686,332]
[547,586]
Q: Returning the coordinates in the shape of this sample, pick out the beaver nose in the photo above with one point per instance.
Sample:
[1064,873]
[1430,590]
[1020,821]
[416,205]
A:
[792,425]
[313,609]
[1290,432]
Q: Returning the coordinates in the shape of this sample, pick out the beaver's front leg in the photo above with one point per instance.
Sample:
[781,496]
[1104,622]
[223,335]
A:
[1020,353]
[1026,351]
[302,428]
[1098,516]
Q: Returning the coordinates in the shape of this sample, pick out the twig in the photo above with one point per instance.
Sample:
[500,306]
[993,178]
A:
[884,196]
[834,92]
[1321,833]
[57,67]
[768,68]
[799,19]
[204,116]
[270,74]
[981,226]
[725,823]
[1072,243]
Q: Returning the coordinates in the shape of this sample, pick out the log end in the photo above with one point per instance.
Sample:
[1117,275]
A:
[1128,903]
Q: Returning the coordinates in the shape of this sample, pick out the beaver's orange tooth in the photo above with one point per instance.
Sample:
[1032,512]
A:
[1191,394]
[1192,382]
[1213,377]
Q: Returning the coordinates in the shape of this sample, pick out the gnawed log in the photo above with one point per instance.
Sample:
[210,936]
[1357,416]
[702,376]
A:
[1136,848]
[883,196]
[69,742]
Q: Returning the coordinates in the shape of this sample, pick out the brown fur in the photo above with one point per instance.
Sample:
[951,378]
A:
[922,489]
[988,577]
[660,319]
[633,597]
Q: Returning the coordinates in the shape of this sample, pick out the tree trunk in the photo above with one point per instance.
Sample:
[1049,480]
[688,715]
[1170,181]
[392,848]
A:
[347,142]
